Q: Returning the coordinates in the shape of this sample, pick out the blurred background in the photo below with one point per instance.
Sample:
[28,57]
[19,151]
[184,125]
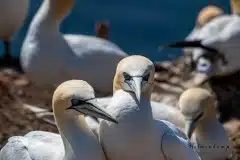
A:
[136,26]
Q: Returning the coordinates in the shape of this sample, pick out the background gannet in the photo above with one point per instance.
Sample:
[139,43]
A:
[70,101]
[49,58]
[219,42]
[138,136]
[205,15]
[13,14]
[207,134]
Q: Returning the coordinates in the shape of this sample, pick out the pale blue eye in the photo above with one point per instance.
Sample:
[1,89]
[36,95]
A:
[204,65]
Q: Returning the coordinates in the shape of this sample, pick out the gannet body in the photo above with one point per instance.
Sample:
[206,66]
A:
[71,100]
[13,17]
[206,133]
[160,111]
[140,136]
[47,55]
[218,41]
[206,14]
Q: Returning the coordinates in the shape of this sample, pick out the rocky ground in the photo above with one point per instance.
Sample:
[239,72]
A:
[172,78]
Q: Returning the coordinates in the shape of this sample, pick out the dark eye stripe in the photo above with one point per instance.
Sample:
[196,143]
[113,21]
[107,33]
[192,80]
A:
[198,117]
[127,77]
[146,77]
[76,102]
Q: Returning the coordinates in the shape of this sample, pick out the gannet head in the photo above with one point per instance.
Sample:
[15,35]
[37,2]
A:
[196,104]
[207,14]
[235,5]
[77,96]
[61,8]
[207,63]
[135,74]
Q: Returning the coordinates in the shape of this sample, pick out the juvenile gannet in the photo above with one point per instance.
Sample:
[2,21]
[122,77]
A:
[138,136]
[47,55]
[219,41]
[207,134]
[71,101]
[13,14]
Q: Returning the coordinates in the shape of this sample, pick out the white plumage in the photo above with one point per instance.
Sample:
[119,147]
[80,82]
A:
[140,136]
[76,141]
[218,41]
[160,111]
[202,126]
[49,58]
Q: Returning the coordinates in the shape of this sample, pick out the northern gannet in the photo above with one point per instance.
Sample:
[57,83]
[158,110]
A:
[138,135]
[205,15]
[202,126]
[217,44]
[47,55]
[71,101]
[13,17]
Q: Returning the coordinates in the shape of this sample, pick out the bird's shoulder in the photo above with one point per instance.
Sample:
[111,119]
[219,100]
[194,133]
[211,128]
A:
[168,127]
[182,147]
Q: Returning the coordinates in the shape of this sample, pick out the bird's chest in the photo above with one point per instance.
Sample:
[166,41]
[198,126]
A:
[130,142]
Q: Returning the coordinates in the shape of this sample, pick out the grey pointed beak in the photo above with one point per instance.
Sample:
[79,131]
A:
[100,111]
[190,44]
[94,108]
[138,87]
[190,125]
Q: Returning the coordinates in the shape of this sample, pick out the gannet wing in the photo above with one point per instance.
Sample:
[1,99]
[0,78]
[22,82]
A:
[216,31]
[33,146]
[82,44]
[162,111]
[214,27]
[174,147]
[174,136]
[178,131]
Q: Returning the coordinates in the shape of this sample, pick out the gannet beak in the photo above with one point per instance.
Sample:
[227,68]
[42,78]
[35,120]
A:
[94,109]
[138,87]
[190,125]
[189,44]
